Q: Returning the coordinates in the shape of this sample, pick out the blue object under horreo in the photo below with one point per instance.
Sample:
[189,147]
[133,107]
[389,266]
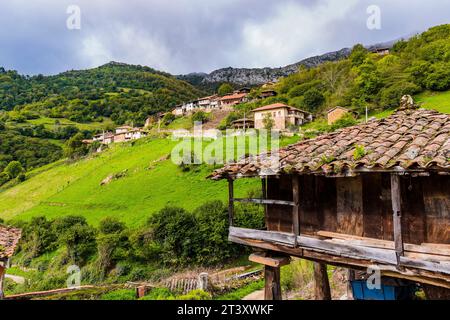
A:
[386,292]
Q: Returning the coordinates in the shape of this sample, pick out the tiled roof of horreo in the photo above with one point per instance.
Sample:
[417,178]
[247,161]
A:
[9,238]
[408,140]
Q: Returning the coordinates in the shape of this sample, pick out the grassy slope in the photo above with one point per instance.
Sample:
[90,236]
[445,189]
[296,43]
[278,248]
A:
[49,123]
[61,189]
[439,101]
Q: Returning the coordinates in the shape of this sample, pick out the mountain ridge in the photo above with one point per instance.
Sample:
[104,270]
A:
[259,76]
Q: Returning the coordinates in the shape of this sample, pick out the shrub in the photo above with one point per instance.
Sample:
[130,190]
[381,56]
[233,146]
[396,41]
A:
[13,169]
[38,237]
[195,295]
[168,118]
[391,96]
[200,116]
[211,245]
[359,152]
[110,225]
[296,275]
[159,294]
[174,228]
[121,294]
[4,178]
[346,121]
[77,236]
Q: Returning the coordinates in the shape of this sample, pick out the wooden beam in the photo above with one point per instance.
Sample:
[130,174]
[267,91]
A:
[272,283]
[434,249]
[347,250]
[264,201]
[321,283]
[275,262]
[397,216]
[287,239]
[230,202]
[413,274]
[409,254]
[295,208]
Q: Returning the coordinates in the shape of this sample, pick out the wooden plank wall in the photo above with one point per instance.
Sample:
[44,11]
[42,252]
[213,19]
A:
[436,201]
[362,206]
[279,216]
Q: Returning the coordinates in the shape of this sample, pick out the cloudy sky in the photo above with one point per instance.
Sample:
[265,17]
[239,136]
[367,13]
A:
[182,36]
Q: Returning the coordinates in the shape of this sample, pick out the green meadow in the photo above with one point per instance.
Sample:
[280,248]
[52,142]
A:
[149,181]
[439,101]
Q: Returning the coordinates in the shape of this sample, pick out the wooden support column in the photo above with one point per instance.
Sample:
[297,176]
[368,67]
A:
[351,275]
[295,208]
[272,265]
[2,278]
[321,284]
[230,202]
[397,216]
[264,196]
[272,289]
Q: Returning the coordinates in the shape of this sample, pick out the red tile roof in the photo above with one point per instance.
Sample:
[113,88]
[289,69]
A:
[277,106]
[407,140]
[9,238]
[234,96]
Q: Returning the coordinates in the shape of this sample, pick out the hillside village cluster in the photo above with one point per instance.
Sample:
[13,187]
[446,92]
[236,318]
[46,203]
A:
[283,115]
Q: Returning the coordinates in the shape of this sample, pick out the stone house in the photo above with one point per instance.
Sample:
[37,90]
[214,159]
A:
[282,116]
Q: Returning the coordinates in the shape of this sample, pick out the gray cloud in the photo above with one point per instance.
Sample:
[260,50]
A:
[181,36]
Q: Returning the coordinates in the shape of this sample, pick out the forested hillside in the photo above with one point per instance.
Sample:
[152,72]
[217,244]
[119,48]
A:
[367,79]
[124,93]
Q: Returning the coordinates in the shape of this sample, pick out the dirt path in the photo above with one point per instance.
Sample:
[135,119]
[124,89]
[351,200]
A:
[16,279]
[257,295]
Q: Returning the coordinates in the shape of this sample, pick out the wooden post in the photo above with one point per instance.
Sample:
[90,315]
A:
[230,202]
[272,289]
[321,283]
[2,277]
[264,196]
[350,277]
[296,200]
[397,215]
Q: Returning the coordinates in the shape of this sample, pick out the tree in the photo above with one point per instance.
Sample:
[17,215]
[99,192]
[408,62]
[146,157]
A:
[75,147]
[268,121]
[13,169]
[168,118]
[224,89]
[313,99]
[174,229]
[358,55]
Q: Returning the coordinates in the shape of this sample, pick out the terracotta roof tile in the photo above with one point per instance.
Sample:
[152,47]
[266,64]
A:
[416,139]
[9,237]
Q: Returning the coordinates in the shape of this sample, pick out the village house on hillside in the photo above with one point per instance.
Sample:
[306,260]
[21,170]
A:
[377,193]
[9,238]
[213,102]
[337,113]
[244,123]
[282,115]
[122,134]
[382,51]
[229,101]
